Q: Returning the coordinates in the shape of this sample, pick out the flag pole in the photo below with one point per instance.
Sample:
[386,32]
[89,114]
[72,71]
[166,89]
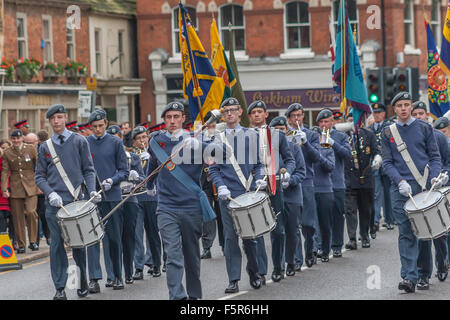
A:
[343,106]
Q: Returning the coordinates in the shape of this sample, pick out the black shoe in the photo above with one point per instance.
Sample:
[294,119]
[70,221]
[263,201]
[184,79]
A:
[118,284]
[309,261]
[84,289]
[298,267]
[442,275]
[377,227]
[319,254]
[290,270]
[373,235]
[109,283]
[60,295]
[33,246]
[423,284]
[276,275]
[233,287]
[255,279]
[138,275]
[129,280]
[407,285]
[48,241]
[365,243]
[206,254]
[21,250]
[156,272]
[150,269]
[337,253]
[351,245]
[263,280]
[164,268]
[325,258]
[93,286]
[389,226]
[385,225]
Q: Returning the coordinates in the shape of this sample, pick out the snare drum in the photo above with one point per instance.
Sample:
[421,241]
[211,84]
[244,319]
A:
[76,226]
[431,218]
[128,186]
[446,192]
[254,217]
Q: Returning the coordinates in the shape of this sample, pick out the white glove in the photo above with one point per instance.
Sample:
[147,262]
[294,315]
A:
[285,184]
[285,177]
[223,193]
[107,184]
[152,192]
[55,200]
[404,188]
[144,156]
[134,176]
[444,178]
[302,136]
[261,184]
[97,197]
[192,143]
[377,162]
[438,182]
[330,141]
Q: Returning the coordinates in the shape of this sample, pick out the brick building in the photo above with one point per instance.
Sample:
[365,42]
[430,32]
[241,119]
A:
[282,46]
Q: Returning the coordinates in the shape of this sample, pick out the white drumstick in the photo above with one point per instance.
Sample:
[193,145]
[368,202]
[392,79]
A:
[231,199]
[84,205]
[412,199]
[432,187]
[65,210]
[257,189]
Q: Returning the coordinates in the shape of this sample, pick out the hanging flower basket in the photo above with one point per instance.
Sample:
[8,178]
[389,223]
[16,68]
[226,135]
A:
[75,71]
[27,69]
[53,71]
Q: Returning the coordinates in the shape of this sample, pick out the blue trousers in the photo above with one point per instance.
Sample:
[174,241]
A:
[151,230]
[338,219]
[142,254]
[58,256]
[383,198]
[112,243]
[277,235]
[233,256]
[181,233]
[292,213]
[299,250]
[425,259]
[308,219]
[261,255]
[325,203]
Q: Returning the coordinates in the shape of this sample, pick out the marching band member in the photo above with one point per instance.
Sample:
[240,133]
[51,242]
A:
[342,152]
[75,157]
[410,175]
[110,163]
[310,148]
[182,204]
[425,268]
[293,200]
[232,183]
[147,203]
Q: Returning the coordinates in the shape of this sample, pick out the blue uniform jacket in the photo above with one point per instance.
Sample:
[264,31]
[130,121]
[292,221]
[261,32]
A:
[293,193]
[322,171]
[342,153]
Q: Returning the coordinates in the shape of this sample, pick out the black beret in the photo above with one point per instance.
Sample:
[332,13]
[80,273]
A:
[378,107]
[17,133]
[97,115]
[278,121]
[56,108]
[441,123]
[419,105]
[323,114]
[293,107]
[256,104]
[113,129]
[230,102]
[138,130]
[173,106]
[401,96]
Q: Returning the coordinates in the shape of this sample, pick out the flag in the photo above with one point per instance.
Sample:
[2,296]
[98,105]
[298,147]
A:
[201,86]
[336,88]
[347,71]
[237,91]
[220,61]
[444,61]
[437,82]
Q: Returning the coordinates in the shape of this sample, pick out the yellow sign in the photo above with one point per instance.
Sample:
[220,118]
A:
[91,84]
[8,260]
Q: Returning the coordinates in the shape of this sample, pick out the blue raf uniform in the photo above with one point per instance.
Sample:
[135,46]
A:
[111,165]
[421,144]
[75,156]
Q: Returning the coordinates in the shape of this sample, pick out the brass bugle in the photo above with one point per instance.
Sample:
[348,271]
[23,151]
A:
[324,138]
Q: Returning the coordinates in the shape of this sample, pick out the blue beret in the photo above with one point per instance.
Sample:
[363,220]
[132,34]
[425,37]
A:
[278,121]
[441,123]
[17,133]
[401,96]
[378,107]
[173,106]
[256,104]
[293,107]
[56,108]
[323,114]
[113,129]
[138,130]
[97,115]
[230,102]
[419,105]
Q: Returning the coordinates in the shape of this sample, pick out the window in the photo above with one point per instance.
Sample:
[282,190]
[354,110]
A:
[121,53]
[409,23]
[70,44]
[233,14]
[353,16]
[297,25]
[22,41]
[98,53]
[436,22]
[176,27]
[47,38]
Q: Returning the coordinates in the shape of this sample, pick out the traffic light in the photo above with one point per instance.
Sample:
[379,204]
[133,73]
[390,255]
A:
[374,85]
[388,84]
[401,80]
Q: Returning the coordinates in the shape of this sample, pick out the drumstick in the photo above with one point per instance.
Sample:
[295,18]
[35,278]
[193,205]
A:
[412,199]
[260,185]
[231,199]
[65,210]
[432,187]
[84,205]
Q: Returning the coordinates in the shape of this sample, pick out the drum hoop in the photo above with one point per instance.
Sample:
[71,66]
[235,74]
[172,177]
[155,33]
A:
[426,208]
[70,218]
[250,206]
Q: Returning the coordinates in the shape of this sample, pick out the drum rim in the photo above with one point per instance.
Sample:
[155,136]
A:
[93,209]
[442,197]
[266,196]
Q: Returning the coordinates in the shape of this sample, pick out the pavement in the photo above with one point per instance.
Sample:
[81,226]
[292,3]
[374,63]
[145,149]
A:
[30,256]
